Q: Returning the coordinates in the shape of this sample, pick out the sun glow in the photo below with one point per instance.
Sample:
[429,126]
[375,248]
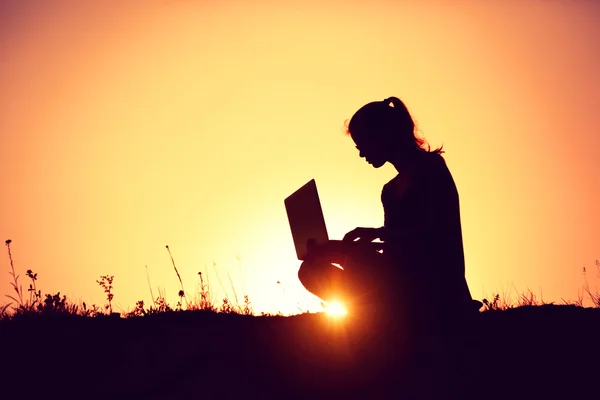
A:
[335,309]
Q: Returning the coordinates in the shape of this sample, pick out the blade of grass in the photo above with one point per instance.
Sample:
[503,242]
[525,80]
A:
[237,303]
[220,281]
[149,285]
[239,260]
[177,272]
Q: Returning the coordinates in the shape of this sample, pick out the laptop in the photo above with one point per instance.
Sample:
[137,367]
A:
[305,216]
[307,222]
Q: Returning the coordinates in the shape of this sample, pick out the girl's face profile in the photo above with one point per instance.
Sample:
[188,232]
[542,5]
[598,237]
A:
[373,151]
[384,132]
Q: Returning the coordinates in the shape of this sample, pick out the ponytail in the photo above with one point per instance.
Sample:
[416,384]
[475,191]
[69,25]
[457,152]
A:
[394,102]
[399,110]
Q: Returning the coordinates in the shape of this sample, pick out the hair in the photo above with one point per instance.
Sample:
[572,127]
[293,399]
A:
[388,119]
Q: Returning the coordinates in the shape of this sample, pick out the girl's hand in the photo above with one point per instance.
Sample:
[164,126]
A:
[363,235]
[330,251]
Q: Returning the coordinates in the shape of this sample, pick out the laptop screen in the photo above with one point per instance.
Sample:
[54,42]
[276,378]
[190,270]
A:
[306,217]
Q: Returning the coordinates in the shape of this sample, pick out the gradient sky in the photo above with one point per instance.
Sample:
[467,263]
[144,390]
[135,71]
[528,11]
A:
[128,126]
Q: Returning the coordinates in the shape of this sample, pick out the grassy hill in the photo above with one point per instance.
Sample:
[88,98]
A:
[529,352]
[56,349]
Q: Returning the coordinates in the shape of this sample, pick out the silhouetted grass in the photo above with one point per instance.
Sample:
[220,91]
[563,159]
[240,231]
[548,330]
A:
[506,301]
[55,304]
[202,300]
[594,295]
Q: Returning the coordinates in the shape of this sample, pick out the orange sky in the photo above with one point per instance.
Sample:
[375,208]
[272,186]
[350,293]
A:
[125,128]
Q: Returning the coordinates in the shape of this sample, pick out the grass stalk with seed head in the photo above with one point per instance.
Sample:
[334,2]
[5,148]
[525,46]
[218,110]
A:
[181,293]
[15,283]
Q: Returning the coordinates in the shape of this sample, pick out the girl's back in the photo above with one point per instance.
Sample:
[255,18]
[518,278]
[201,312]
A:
[422,207]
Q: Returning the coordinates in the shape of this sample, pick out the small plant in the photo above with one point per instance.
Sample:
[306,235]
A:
[105,283]
[34,294]
[4,311]
[527,299]
[576,303]
[54,304]
[92,312]
[205,302]
[138,311]
[181,295]
[594,296]
[247,310]
[493,305]
[226,307]
[160,306]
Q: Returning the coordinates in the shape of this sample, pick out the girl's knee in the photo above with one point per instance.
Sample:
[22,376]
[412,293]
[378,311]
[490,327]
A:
[305,274]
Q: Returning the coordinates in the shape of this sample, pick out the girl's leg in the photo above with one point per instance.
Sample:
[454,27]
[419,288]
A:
[358,282]
[323,279]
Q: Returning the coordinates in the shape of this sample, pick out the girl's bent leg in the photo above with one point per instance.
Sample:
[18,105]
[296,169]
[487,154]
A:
[323,279]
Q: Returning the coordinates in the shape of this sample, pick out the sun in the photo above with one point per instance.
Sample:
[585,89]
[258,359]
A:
[335,309]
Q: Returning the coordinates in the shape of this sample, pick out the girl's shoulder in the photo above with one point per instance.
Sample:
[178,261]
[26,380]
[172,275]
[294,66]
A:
[427,167]
[431,164]
[432,159]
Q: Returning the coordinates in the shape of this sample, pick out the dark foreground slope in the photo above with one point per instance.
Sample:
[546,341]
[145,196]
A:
[545,352]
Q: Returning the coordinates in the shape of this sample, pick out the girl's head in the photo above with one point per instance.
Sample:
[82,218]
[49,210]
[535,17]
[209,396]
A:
[383,130]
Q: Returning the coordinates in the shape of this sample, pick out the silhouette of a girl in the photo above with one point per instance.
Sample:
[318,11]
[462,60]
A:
[421,271]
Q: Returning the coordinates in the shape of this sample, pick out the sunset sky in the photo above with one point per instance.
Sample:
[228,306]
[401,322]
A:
[128,126]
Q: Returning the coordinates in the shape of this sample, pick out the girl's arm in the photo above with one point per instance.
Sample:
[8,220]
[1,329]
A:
[389,235]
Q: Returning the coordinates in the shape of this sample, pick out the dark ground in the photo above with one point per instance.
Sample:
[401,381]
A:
[538,352]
